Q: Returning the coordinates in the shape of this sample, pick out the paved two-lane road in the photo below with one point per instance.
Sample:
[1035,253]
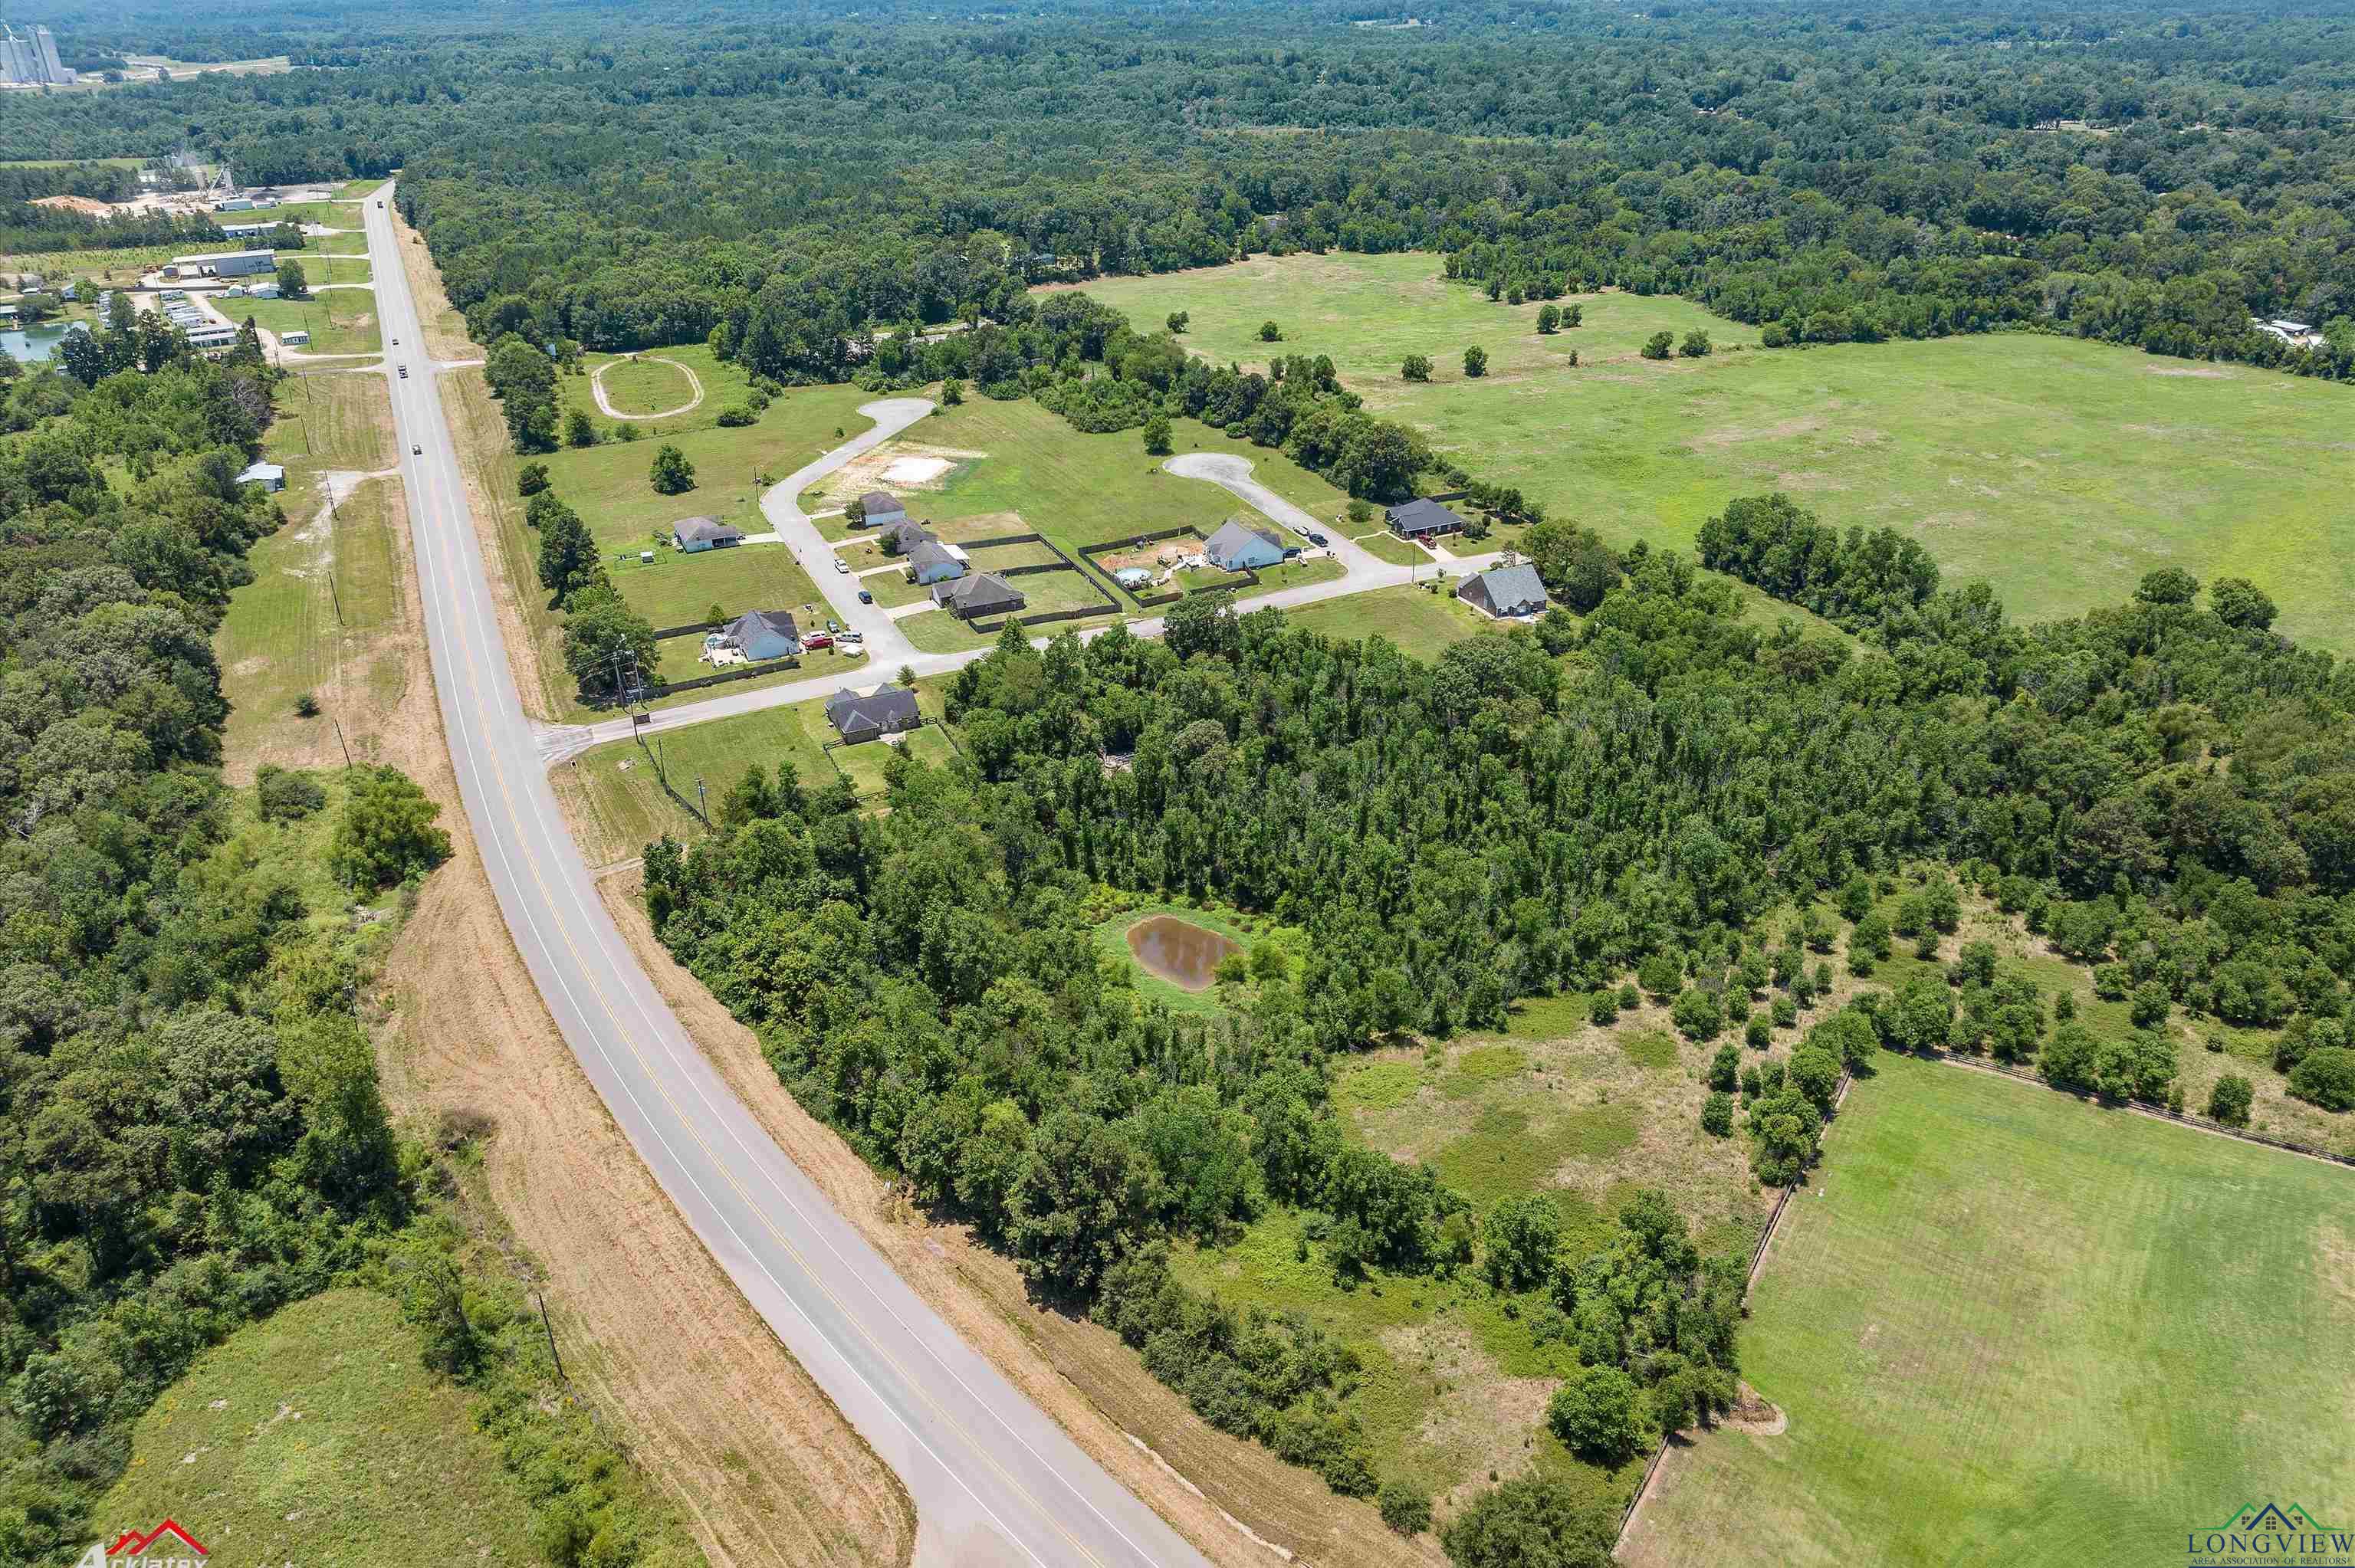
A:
[994,1480]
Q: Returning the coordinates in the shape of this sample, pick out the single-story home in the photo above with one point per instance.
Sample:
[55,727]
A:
[1505,590]
[882,509]
[933,562]
[268,475]
[903,536]
[1421,518]
[870,714]
[293,337]
[978,594]
[763,634]
[2297,334]
[693,534]
[1237,547]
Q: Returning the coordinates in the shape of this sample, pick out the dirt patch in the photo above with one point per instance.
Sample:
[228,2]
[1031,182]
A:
[1780,430]
[761,1465]
[1092,1384]
[930,468]
[2199,372]
[1756,1414]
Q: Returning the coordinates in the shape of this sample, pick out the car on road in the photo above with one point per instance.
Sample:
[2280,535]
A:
[818,639]
[396,342]
[840,565]
[1317,539]
[404,373]
[416,450]
[866,598]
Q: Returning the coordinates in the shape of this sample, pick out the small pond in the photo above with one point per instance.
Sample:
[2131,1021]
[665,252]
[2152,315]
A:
[31,346]
[1179,952]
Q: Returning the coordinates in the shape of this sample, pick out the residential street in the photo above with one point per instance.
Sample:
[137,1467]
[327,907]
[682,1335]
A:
[993,1479]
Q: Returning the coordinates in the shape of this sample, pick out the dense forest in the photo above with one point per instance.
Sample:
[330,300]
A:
[1653,796]
[2148,179]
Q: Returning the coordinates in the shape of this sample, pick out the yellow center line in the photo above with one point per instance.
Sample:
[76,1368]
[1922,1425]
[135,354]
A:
[465,645]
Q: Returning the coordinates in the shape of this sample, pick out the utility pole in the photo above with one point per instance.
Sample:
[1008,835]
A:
[340,741]
[702,806]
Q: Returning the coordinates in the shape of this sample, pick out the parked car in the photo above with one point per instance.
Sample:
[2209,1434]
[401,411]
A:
[852,638]
[866,598]
[1317,539]
[840,565]
[833,626]
[818,639]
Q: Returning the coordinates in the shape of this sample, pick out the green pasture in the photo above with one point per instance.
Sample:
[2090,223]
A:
[2058,470]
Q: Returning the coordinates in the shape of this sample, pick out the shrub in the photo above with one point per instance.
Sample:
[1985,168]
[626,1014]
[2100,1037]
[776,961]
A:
[1717,1115]
[306,706]
[1176,321]
[1270,332]
[1405,1509]
[2325,1077]
[737,416]
[1604,1010]
[1157,435]
[1628,997]
[1661,973]
[1476,362]
[284,797]
[531,479]
[2151,1002]
[1695,345]
[385,831]
[1549,318]
[1698,1014]
[671,472]
[1786,1010]
[1531,1523]
[1520,1239]
[1659,346]
[2228,1102]
[1758,1034]
[1595,1416]
[1725,1068]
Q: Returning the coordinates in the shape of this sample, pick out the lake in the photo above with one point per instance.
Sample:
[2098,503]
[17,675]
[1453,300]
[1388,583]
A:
[1179,952]
[31,346]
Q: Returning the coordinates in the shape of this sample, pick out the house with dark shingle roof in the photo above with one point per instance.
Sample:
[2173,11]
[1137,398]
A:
[696,533]
[977,594]
[1238,547]
[764,634]
[1421,518]
[933,562]
[870,714]
[1503,592]
[882,509]
[903,536]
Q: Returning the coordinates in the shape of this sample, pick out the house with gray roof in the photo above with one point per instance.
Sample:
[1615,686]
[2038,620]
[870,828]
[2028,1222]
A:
[903,536]
[977,594]
[882,509]
[933,562]
[1421,518]
[1503,592]
[1238,547]
[764,634]
[870,714]
[693,535]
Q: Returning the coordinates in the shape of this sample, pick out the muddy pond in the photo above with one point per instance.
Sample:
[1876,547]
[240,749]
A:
[1178,951]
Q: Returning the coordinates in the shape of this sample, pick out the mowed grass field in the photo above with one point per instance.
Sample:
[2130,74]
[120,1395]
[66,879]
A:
[341,320]
[326,604]
[315,1437]
[2010,1327]
[2058,470]
[618,805]
[646,386]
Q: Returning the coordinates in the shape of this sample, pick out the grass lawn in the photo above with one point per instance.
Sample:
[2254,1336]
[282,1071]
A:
[1418,621]
[680,589]
[618,804]
[332,418]
[1989,450]
[1385,545]
[725,386]
[646,386]
[342,321]
[1072,488]
[315,1435]
[892,589]
[331,267]
[353,244]
[2048,1329]
[1299,574]
[1048,593]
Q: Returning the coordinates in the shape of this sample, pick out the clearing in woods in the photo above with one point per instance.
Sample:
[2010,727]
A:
[314,1435]
[646,386]
[325,611]
[1992,450]
[2007,1327]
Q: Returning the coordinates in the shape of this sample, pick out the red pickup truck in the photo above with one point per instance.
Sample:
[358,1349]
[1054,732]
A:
[818,639]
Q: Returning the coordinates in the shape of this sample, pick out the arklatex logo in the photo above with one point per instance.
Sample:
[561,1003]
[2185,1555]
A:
[132,1548]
